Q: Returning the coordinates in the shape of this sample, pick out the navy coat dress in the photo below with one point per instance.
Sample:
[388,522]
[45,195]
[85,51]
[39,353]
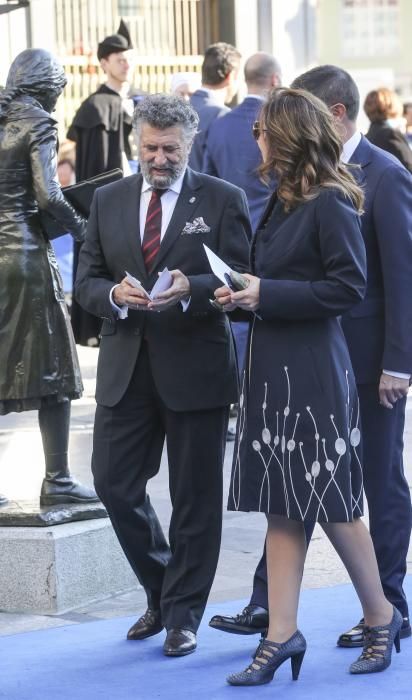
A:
[297,451]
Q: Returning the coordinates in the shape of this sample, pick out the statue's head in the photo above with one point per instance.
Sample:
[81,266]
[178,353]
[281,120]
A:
[38,73]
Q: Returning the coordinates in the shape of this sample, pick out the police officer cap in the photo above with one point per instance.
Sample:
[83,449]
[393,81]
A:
[115,43]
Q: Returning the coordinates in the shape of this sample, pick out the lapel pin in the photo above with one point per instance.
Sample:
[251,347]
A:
[192,199]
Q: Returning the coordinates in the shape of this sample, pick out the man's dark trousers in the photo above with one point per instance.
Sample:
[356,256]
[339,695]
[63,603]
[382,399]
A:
[177,578]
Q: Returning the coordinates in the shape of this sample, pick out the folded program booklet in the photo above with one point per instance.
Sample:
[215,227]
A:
[81,194]
[164,281]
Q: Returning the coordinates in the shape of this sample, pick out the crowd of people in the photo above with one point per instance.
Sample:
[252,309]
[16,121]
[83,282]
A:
[314,221]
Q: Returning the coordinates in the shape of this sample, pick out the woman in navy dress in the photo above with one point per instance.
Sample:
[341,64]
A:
[297,453]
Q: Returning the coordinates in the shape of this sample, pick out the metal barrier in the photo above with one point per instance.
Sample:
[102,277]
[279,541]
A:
[151,74]
[168,37]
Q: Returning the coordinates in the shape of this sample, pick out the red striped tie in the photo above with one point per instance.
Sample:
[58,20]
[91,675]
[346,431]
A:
[152,229]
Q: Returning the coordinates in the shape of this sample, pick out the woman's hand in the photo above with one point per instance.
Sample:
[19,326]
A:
[248,298]
[222,296]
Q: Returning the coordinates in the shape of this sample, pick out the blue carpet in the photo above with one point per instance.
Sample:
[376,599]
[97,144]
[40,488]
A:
[93,661]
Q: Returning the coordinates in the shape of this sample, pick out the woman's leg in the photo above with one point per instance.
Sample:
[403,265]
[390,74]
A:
[353,544]
[286,552]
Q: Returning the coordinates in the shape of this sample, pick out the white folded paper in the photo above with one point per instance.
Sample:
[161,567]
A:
[221,270]
[163,282]
[219,267]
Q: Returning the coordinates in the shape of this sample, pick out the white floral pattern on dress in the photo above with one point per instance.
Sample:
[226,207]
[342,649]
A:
[275,445]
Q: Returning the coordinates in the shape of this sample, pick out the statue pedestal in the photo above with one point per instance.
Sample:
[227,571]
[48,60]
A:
[31,514]
[52,569]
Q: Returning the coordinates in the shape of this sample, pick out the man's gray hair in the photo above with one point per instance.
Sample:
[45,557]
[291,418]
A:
[164,111]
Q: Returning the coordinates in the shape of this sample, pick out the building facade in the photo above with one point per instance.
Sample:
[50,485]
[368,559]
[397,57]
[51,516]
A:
[370,38]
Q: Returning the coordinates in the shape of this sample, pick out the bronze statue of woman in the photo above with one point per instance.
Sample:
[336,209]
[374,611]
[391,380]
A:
[39,368]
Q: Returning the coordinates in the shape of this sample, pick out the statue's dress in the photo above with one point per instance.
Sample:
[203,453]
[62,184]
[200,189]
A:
[38,359]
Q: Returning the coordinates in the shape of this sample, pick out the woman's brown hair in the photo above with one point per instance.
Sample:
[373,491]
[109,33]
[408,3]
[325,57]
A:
[304,148]
[382,104]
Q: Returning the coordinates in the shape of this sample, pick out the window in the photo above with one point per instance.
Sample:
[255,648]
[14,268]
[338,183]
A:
[370,28]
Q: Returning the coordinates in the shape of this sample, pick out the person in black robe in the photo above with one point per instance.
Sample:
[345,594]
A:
[101,129]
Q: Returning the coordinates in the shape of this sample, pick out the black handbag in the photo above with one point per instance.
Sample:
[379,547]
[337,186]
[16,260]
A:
[80,195]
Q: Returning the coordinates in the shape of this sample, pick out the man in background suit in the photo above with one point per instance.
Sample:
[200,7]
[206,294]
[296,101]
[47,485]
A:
[231,152]
[166,367]
[220,73]
[379,336]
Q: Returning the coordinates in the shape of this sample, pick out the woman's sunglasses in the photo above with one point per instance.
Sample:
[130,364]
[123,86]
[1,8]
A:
[256,130]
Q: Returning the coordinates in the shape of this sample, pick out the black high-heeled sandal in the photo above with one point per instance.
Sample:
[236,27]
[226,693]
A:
[377,649]
[268,657]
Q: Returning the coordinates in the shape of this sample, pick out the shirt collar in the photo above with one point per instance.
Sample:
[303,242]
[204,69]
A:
[176,186]
[206,91]
[211,94]
[254,97]
[350,146]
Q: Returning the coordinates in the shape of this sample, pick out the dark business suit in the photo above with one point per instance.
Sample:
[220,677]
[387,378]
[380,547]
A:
[379,336]
[170,373]
[208,109]
[392,140]
[232,154]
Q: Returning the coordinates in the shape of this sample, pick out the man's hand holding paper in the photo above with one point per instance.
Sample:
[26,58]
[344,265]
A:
[130,293]
[178,291]
[169,289]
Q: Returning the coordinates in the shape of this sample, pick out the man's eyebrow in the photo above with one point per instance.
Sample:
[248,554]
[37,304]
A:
[162,145]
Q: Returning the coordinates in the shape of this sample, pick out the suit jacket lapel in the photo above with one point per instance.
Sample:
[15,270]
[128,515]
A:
[130,214]
[362,156]
[186,205]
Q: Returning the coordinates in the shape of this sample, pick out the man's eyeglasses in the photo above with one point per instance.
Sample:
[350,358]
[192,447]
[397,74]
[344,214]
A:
[256,130]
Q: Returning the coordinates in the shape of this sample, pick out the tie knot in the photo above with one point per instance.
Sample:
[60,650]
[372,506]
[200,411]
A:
[158,192]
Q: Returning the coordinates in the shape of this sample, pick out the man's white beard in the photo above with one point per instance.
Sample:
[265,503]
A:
[162,182]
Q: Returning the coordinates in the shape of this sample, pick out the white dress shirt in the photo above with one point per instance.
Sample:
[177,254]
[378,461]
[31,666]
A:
[349,148]
[168,202]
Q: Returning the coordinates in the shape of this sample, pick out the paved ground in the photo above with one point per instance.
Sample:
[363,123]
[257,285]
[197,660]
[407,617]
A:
[21,472]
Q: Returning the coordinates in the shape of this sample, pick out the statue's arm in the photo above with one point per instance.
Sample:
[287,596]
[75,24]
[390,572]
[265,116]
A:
[43,141]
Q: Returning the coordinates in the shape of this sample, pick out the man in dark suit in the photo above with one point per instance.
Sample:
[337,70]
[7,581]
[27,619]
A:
[231,152]
[379,336]
[220,74]
[166,366]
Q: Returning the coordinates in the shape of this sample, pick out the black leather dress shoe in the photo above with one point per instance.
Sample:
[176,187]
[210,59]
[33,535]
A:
[252,620]
[355,637]
[149,624]
[179,642]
